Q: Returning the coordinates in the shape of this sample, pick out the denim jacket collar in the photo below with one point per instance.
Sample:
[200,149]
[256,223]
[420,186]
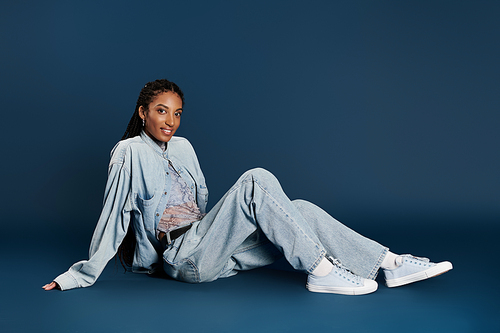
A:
[150,142]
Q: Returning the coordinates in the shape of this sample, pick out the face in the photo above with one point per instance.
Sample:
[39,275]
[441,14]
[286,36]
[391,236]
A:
[163,116]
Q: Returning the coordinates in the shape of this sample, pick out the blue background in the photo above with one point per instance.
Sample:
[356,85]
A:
[384,113]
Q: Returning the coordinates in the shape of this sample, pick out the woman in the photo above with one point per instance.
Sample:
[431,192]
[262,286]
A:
[155,202]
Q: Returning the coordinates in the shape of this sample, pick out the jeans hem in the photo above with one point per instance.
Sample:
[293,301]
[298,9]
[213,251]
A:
[317,261]
[374,272]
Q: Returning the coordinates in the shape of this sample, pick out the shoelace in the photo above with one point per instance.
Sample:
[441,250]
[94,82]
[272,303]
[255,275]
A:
[337,263]
[401,258]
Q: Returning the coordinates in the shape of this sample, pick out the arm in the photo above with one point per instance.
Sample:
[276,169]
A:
[108,235]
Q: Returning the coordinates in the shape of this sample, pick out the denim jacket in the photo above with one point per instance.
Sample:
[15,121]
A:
[137,192]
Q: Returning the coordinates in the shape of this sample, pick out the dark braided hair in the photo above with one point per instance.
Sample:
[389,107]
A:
[148,93]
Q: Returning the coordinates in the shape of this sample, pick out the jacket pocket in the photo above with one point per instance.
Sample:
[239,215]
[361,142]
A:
[145,202]
[147,209]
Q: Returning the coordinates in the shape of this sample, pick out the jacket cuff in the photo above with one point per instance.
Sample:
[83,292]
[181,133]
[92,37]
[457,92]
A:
[66,281]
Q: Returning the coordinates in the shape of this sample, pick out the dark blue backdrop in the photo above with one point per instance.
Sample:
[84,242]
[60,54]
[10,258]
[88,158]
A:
[368,109]
[385,113]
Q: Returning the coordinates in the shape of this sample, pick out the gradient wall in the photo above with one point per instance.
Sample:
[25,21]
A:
[377,111]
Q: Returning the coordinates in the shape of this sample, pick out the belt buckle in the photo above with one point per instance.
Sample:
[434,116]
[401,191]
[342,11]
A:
[166,240]
[169,240]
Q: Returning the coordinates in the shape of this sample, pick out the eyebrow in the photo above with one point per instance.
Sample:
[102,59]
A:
[166,107]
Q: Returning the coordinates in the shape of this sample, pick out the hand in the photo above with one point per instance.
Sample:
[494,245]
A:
[52,285]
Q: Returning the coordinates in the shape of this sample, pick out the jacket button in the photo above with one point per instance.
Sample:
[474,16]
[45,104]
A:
[165,193]
[157,214]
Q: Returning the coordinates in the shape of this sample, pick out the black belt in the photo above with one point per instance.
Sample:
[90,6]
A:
[170,236]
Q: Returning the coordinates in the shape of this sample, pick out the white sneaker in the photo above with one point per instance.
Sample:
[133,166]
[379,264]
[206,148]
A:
[340,281]
[412,269]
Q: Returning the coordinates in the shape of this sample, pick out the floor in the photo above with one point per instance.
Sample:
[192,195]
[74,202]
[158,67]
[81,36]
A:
[271,299]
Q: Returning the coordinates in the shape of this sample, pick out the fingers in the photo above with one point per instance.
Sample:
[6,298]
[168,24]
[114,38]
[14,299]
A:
[51,286]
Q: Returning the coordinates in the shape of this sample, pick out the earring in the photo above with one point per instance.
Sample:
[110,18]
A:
[143,122]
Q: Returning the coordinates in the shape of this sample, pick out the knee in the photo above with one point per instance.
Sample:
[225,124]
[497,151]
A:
[259,172]
[261,175]
[299,203]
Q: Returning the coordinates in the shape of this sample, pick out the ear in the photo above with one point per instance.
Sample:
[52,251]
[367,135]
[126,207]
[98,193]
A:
[142,112]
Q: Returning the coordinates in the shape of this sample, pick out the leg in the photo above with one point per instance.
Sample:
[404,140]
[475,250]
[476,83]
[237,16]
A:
[236,233]
[357,252]
[361,255]
[251,226]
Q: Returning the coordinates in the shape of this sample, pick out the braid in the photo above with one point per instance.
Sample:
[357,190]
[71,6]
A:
[134,128]
[146,96]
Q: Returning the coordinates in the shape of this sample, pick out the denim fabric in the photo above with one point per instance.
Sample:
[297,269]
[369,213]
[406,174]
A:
[254,224]
[251,226]
[137,191]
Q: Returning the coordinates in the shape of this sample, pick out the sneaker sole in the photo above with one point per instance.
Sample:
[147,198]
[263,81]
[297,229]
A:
[439,269]
[343,290]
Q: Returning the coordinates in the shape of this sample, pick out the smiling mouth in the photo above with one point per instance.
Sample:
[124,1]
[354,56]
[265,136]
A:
[166,131]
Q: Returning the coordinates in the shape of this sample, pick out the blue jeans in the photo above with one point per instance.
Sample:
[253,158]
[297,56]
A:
[254,224]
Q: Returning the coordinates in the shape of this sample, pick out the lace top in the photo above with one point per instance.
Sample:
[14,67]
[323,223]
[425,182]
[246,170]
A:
[181,209]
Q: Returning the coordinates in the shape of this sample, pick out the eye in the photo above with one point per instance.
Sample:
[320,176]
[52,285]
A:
[178,114]
[161,111]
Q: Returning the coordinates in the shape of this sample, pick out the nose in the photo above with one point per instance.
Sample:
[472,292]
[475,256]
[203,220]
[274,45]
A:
[169,120]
